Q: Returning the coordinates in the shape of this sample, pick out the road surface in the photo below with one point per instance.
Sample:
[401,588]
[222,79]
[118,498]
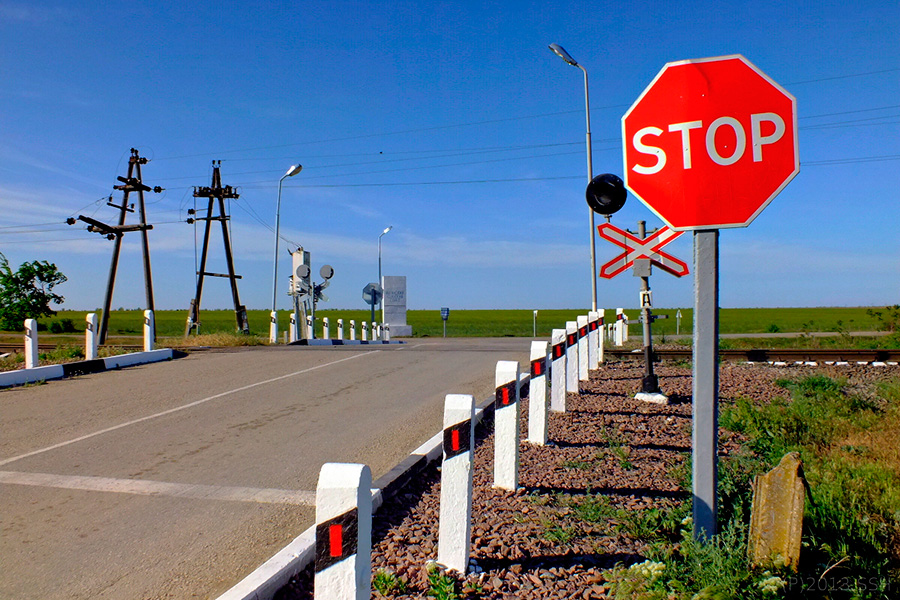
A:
[177,479]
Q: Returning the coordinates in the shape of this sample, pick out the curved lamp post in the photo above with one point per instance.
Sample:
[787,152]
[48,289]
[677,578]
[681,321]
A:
[560,52]
[273,327]
[381,300]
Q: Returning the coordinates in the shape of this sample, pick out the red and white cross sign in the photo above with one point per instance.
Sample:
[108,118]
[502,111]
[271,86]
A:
[635,248]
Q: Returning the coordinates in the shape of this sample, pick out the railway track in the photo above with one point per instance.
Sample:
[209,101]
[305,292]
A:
[775,355]
[751,355]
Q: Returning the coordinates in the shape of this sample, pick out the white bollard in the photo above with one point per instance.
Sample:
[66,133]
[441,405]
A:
[294,329]
[309,327]
[374,329]
[583,348]
[386,332]
[352,329]
[455,522]
[340,330]
[538,394]
[506,425]
[31,343]
[326,329]
[593,339]
[149,330]
[273,327]
[365,331]
[624,327]
[601,341]
[619,328]
[558,370]
[343,567]
[572,356]
[90,337]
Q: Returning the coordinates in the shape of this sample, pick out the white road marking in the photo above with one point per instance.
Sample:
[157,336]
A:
[177,409]
[160,488]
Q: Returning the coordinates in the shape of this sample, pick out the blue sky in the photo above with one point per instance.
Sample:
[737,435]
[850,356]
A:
[453,122]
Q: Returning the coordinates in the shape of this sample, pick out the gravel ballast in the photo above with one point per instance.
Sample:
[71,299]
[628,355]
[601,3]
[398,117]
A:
[533,543]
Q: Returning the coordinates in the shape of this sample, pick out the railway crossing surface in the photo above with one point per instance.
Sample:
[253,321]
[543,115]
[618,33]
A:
[177,479]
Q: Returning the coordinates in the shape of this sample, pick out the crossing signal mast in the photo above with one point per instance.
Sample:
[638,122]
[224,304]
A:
[216,193]
[131,183]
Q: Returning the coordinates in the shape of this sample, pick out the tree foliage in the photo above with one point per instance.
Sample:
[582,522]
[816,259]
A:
[27,292]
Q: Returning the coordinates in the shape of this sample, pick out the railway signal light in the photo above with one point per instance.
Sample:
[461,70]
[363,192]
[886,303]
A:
[606,194]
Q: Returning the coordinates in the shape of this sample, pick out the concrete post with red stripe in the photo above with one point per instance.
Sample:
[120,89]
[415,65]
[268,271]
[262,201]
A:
[149,331]
[343,563]
[326,329]
[455,523]
[582,321]
[601,336]
[309,327]
[91,337]
[620,327]
[273,327]
[352,330]
[572,356]
[558,370]
[506,425]
[365,331]
[31,343]
[293,328]
[539,393]
[340,329]
[593,340]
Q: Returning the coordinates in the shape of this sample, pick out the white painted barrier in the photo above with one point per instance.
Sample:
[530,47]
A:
[572,356]
[273,327]
[583,357]
[506,425]
[601,336]
[593,340]
[386,332]
[558,370]
[352,330]
[294,328]
[539,394]
[149,331]
[91,338]
[343,567]
[340,329]
[455,523]
[309,327]
[31,344]
[620,335]
[326,329]
[365,331]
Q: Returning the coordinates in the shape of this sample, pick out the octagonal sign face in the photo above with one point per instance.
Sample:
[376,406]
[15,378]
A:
[710,142]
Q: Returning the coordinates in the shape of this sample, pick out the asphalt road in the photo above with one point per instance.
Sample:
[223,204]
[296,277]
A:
[177,479]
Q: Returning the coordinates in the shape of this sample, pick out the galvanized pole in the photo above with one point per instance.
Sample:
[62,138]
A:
[705,381]
[650,384]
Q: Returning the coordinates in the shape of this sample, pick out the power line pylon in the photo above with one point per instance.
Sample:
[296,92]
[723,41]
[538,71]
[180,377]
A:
[214,193]
[131,183]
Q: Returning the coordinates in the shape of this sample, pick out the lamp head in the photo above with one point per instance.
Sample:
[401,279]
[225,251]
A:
[561,52]
[293,170]
[386,229]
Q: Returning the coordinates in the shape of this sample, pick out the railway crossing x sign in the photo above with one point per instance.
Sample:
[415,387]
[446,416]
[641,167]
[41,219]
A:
[635,247]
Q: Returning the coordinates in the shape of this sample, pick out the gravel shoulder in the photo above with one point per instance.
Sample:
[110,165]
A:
[611,456]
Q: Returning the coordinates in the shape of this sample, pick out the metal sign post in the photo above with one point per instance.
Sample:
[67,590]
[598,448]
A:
[445,314]
[705,385]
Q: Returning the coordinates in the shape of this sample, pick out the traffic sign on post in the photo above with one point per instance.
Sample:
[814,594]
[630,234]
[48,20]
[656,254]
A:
[707,145]
[637,247]
[710,142]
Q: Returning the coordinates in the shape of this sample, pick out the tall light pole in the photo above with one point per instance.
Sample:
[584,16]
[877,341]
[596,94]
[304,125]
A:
[560,52]
[273,325]
[381,300]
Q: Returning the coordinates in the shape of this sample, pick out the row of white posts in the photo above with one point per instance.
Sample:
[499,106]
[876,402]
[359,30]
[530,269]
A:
[91,338]
[343,562]
[374,332]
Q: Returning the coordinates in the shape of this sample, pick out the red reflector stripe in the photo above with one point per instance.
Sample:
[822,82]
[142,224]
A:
[454,437]
[336,540]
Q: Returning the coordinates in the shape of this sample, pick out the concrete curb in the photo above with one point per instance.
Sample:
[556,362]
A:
[45,373]
[343,342]
[275,573]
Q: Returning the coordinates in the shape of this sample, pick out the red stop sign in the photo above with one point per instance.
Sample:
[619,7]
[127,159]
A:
[710,142]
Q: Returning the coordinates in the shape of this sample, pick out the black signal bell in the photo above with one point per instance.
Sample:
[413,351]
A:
[606,194]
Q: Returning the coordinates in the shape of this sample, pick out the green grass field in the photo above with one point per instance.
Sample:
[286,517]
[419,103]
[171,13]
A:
[499,323]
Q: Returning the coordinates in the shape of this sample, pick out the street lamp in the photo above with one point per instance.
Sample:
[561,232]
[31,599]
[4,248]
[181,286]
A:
[380,300]
[273,325]
[560,52]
